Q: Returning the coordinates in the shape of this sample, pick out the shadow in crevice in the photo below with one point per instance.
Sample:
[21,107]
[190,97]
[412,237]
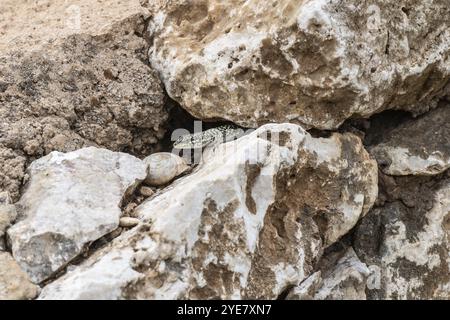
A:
[317,133]
[383,123]
[181,119]
[178,118]
[372,130]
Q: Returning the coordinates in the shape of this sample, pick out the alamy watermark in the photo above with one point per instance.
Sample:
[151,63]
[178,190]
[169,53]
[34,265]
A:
[73,18]
[220,144]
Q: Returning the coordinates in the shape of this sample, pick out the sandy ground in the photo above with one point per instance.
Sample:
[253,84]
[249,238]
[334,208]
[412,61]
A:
[30,22]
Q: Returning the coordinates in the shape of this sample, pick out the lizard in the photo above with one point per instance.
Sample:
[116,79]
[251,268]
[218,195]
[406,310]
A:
[209,137]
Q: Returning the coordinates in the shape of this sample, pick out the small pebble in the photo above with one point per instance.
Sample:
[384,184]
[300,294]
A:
[128,222]
[146,191]
[163,167]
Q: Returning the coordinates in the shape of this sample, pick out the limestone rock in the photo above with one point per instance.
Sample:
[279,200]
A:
[405,242]
[163,167]
[314,62]
[417,147]
[74,74]
[14,283]
[346,280]
[251,221]
[70,200]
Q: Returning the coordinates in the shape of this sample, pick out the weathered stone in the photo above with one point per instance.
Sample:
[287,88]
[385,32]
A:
[346,280]
[251,221]
[70,200]
[64,86]
[405,242]
[314,62]
[418,147]
[163,167]
[14,283]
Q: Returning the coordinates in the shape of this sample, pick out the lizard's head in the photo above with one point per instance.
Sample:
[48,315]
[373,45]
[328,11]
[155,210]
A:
[183,142]
[193,141]
[208,137]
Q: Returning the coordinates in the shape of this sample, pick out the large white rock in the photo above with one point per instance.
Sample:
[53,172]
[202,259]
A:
[315,62]
[250,221]
[71,200]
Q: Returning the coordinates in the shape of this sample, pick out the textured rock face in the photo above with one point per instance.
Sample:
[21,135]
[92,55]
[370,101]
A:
[405,239]
[312,62]
[71,200]
[417,147]
[252,220]
[405,242]
[14,283]
[344,280]
[64,87]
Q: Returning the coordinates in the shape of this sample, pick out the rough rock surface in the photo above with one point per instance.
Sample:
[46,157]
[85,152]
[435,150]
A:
[65,85]
[14,283]
[70,200]
[405,240]
[344,280]
[314,62]
[252,220]
[417,147]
